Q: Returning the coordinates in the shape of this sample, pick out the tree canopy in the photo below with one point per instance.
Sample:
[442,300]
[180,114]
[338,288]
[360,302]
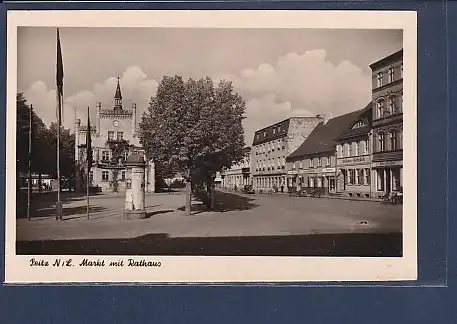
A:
[194,127]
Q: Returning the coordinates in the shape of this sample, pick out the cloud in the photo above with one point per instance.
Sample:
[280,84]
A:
[307,80]
[135,87]
[263,111]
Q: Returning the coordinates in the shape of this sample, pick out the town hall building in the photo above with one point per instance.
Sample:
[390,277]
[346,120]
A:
[114,126]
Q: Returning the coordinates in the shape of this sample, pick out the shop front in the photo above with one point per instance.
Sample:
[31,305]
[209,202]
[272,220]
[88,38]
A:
[354,176]
[387,177]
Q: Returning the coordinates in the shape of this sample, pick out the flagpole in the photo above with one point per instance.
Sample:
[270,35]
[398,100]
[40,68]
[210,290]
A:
[58,203]
[29,191]
[88,157]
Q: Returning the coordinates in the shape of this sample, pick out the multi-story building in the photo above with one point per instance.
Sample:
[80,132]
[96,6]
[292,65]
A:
[272,145]
[353,154]
[387,124]
[239,174]
[313,164]
[111,126]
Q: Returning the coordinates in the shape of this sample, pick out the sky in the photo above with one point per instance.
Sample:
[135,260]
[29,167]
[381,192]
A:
[280,73]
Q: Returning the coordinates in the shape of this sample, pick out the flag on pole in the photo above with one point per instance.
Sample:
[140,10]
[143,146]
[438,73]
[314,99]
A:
[88,143]
[59,80]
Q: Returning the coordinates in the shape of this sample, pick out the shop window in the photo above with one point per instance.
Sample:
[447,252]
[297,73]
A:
[367,176]
[360,176]
[351,178]
[396,179]
[380,182]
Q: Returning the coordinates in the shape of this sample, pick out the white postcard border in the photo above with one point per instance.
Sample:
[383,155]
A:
[212,269]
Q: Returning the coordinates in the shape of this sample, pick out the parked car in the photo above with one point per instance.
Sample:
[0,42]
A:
[247,189]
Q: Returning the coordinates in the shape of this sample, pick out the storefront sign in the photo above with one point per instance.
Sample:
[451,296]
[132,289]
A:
[352,160]
[387,163]
[292,172]
[328,170]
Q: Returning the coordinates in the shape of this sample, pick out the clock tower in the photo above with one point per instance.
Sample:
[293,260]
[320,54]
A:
[113,128]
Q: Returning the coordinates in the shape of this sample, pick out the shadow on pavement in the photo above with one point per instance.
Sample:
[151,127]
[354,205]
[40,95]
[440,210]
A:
[225,202]
[157,212]
[43,203]
[341,245]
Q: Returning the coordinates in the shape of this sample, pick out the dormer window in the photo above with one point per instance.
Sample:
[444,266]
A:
[359,124]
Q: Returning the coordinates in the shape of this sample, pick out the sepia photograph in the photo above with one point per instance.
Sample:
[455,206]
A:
[139,146]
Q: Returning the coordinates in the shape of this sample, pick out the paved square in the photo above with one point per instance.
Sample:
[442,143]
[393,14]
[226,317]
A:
[235,215]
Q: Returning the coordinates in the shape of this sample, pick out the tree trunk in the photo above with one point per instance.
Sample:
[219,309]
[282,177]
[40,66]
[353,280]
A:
[188,194]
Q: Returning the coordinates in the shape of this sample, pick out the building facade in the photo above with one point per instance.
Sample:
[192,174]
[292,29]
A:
[239,174]
[272,145]
[111,126]
[314,163]
[353,153]
[387,124]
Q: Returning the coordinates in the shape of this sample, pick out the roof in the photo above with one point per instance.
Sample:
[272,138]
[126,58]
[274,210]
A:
[118,94]
[365,115]
[266,134]
[135,160]
[324,137]
[388,59]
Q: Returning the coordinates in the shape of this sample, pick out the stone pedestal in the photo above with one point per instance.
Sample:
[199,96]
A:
[135,188]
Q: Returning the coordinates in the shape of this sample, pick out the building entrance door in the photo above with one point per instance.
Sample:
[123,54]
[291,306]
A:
[388,181]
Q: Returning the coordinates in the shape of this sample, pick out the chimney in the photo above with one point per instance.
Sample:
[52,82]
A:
[327,117]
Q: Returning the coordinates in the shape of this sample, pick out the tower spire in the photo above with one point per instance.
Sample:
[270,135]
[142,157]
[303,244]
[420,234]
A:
[118,96]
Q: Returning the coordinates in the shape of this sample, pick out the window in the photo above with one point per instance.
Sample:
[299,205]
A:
[351,176]
[380,108]
[381,142]
[105,176]
[279,128]
[283,161]
[258,135]
[392,106]
[105,155]
[356,144]
[311,163]
[274,130]
[120,136]
[360,176]
[122,175]
[367,146]
[279,162]
[264,133]
[329,160]
[391,74]
[293,165]
[401,70]
[319,162]
[91,176]
[125,155]
[301,164]
[396,179]
[367,176]
[393,140]
[339,151]
[110,136]
[350,152]
[379,79]
[279,144]
[380,182]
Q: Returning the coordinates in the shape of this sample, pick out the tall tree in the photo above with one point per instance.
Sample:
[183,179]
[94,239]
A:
[194,128]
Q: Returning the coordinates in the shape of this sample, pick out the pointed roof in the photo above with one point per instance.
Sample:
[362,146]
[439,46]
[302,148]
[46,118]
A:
[118,94]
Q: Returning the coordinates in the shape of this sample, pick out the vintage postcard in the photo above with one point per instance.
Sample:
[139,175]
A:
[211,146]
